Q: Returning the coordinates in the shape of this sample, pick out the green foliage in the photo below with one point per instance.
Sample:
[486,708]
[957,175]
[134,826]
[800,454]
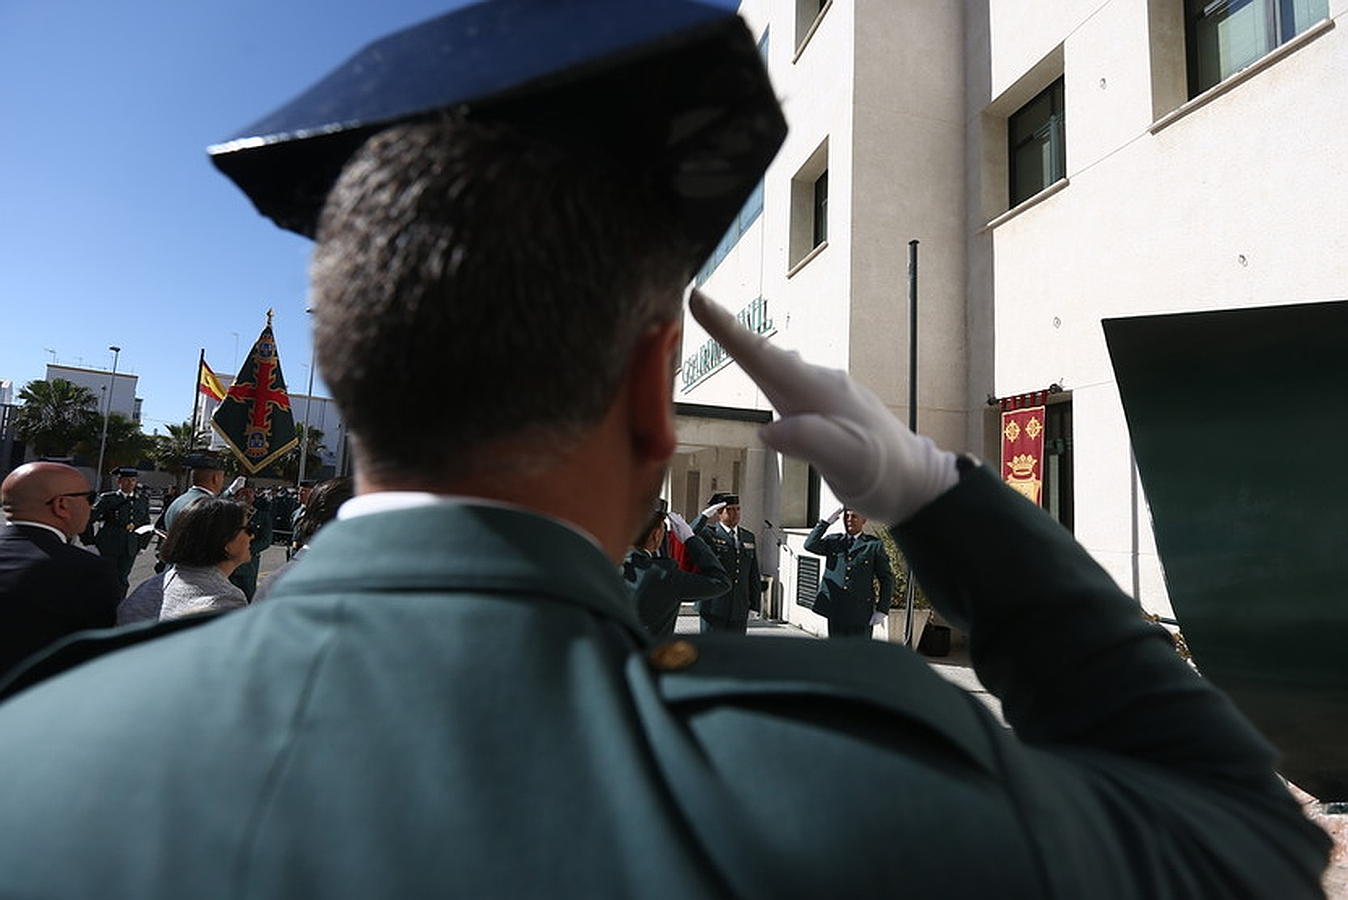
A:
[55,415]
[289,467]
[127,445]
[899,565]
[170,451]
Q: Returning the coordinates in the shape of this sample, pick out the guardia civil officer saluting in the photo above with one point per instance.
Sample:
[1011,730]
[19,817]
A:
[450,695]
[120,513]
[854,563]
[737,549]
[659,584]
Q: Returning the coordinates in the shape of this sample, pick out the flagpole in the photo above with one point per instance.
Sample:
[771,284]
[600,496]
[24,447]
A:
[308,403]
[910,599]
[196,401]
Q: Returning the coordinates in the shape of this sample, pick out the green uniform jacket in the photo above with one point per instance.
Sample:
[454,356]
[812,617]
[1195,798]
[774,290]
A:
[659,585]
[181,502]
[740,563]
[847,594]
[459,701]
[117,540]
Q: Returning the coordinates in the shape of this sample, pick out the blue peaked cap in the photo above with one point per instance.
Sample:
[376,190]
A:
[672,91]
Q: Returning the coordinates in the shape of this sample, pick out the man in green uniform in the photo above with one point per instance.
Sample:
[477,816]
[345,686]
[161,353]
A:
[450,693]
[120,513]
[659,585]
[208,479]
[737,549]
[855,563]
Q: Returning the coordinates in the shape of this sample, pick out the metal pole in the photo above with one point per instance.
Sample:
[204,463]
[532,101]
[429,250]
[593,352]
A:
[196,403]
[308,402]
[107,411]
[911,594]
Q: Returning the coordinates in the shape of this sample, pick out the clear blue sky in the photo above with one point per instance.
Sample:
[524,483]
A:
[114,227]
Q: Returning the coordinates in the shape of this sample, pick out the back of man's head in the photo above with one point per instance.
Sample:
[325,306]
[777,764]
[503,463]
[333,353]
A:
[492,282]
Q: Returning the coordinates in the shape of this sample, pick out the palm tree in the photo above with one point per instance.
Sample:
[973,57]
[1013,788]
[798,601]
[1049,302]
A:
[126,446]
[170,450]
[289,467]
[55,415]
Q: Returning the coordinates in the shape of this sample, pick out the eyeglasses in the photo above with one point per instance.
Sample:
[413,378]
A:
[89,496]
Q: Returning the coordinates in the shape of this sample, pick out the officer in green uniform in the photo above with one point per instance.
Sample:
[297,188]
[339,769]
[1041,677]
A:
[450,693]
[260,521]
[119,513]
[854,564]
[659,585]
[737,549]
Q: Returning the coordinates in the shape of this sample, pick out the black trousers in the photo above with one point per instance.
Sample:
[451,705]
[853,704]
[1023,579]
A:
[725,626]
[842,631]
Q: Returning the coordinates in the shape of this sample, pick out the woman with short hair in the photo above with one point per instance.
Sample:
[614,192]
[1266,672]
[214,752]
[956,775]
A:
[207,542]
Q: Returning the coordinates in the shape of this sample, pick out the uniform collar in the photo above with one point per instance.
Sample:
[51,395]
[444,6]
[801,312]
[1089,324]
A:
[457,544]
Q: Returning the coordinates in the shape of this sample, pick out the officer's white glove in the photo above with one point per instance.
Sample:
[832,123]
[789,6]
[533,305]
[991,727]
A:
[877,618]
[714,510]
[873,463]
[681,529]
[234,486]
[834,517]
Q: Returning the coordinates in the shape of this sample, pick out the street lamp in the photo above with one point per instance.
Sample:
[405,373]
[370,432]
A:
[107,411]
[308,402]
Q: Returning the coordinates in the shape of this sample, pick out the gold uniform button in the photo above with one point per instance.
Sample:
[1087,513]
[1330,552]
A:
[672,656]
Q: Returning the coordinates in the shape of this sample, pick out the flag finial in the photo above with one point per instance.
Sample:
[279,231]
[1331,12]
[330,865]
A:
[268,318]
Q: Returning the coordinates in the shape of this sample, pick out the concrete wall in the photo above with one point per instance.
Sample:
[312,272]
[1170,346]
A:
[1236,203]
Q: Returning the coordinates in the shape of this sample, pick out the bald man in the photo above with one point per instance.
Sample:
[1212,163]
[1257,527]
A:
[48,588]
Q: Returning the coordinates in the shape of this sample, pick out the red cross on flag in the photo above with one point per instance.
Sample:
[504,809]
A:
[255,418]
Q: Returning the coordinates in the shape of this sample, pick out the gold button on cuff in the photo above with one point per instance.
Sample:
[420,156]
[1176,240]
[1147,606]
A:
[672,656]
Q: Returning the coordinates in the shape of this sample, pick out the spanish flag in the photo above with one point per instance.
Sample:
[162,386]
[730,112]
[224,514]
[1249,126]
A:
[208,384]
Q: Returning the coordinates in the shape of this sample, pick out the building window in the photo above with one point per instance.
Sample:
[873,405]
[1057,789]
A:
[1057,496]
[800,494]
[820,209]
[809,205]
[1225,36]
[1038,143]
[808,14]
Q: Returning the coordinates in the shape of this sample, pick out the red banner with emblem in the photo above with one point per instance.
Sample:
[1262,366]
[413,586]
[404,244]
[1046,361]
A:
[1023,451]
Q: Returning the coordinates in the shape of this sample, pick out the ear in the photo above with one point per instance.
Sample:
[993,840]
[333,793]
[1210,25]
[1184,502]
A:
[650,392]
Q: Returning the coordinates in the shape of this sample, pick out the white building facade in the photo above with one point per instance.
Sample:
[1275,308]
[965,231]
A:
[1060,163]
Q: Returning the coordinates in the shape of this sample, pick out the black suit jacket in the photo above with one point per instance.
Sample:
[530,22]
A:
[49,589]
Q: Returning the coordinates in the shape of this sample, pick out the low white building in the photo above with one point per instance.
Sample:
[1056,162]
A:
[99,382]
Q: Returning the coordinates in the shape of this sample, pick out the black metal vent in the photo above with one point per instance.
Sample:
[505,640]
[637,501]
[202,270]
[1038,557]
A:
[807,580]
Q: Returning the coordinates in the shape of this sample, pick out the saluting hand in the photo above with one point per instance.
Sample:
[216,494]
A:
[682,530]
[873,463]
[714,510]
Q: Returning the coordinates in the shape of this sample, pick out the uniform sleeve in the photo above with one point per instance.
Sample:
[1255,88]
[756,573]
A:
[710,581]
[1154,777]
[815,542]
[885,576]
[699,524]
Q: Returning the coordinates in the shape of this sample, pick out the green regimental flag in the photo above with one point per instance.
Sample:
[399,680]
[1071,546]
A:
[255,419]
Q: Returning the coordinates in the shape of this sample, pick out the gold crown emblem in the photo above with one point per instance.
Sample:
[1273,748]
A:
[1022,465]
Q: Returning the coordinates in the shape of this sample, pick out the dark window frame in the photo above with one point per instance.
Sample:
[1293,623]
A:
[1280,28]
[820,223]
[1056,131]
[1058,444]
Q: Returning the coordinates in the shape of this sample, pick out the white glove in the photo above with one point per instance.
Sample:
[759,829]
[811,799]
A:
[234,486]
[834,517]
[681,529]
[877,618]
[712,511]
[873,463]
